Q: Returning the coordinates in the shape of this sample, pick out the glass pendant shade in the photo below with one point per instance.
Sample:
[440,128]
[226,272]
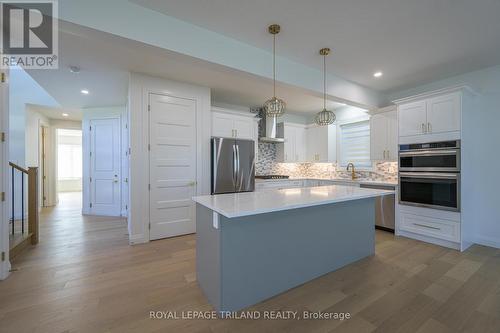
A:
[325,117]
[274,107]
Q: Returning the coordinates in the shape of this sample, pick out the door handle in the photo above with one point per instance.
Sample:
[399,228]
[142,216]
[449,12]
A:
[423,128]
[429,128]
[192,183]
[388,154]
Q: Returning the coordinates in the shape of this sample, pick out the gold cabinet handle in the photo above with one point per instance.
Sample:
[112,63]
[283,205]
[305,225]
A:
[429,128]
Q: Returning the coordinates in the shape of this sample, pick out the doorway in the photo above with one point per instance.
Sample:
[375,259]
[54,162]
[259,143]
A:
[69,167]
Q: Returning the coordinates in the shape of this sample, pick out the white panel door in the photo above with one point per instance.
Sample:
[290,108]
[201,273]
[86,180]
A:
[105,175]
[412,119]
[172,162]
[443,113]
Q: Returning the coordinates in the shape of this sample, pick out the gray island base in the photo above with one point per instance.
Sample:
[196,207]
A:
[244,260]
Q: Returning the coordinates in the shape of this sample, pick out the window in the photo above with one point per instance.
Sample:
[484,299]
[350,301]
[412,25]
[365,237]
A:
[69,154]
[355,144]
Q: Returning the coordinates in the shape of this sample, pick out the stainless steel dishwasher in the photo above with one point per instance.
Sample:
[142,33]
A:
[384,207]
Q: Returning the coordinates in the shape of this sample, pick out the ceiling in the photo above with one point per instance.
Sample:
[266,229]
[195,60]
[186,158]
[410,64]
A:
[105,61]
[57,113]
[412,42]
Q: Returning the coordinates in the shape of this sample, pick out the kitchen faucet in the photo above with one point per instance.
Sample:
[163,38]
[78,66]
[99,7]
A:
[353,172]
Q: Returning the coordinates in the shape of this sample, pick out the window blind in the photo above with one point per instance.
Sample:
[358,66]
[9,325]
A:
[355,144]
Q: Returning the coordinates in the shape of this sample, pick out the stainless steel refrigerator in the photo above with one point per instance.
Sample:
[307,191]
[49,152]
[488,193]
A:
[233,165]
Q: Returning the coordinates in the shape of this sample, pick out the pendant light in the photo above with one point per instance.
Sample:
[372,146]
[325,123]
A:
[274,107]
[325,117]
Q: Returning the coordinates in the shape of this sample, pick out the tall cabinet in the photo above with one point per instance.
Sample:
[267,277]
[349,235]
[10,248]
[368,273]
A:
[432,117]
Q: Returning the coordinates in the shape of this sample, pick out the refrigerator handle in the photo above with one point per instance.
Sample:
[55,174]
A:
[234,166]
[238,175]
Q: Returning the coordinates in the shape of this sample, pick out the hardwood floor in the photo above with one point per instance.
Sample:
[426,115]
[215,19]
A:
[84,277]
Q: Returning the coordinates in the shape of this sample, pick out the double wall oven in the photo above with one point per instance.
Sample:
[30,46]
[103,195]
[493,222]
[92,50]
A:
[429,175]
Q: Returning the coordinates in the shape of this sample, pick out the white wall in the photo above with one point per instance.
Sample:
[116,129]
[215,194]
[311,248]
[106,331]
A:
[23,90]
[102,113]
[481,157]
[32,142]
[139,88]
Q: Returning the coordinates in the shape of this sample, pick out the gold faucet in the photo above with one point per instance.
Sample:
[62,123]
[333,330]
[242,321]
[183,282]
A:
[353,172]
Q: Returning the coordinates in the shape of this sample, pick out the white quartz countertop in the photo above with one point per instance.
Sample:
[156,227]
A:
[338,180]
[253,203]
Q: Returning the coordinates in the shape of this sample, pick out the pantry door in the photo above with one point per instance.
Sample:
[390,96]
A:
[172,163]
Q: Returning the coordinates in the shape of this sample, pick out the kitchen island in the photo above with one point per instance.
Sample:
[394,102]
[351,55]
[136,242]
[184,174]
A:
[252,246]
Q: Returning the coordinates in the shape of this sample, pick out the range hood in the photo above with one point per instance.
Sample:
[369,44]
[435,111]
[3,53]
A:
[269,130]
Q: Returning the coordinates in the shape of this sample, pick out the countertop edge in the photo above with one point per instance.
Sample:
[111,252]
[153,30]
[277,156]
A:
[288,207]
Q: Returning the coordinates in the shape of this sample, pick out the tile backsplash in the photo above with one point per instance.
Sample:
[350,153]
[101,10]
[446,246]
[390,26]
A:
[266,164]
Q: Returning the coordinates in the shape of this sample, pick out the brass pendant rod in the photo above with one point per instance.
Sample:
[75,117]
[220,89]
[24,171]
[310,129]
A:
[324,82]
[274,65]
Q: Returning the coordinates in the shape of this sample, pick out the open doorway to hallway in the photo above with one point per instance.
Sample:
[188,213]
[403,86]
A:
[69,167]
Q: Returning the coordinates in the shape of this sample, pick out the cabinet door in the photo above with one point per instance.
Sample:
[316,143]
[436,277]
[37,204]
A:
[443,113]
[412,118]
[222,125]
[392,136]
[378,137]
[322,143]
[300,144]
[311,138]
[289,145]
[243,128]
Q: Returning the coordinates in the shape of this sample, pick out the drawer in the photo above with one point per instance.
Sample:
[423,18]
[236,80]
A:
[432,227]
[277,185]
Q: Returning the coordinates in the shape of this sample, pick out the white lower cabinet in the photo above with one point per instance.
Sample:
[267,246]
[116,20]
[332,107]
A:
[430,226]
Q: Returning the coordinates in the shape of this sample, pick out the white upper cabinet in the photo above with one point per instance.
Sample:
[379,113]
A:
[436,117]
[222,125]
[412,118]
[383,136]
[321,143]
[443,113]
[233,124]
[294,147]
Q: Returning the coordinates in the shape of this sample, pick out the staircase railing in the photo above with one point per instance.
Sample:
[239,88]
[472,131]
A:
[32,234]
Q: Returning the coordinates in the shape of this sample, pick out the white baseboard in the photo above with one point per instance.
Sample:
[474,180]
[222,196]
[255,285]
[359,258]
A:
[487,241]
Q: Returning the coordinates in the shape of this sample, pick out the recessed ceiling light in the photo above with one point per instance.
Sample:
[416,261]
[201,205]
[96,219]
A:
[65,114]
[85,91]
[378,74]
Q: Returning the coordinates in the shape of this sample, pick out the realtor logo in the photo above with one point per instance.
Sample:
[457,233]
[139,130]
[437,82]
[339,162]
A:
[29,36]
